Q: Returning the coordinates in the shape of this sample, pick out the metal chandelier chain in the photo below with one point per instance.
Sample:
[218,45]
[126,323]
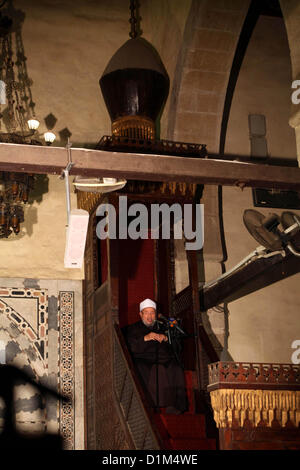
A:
[134,19]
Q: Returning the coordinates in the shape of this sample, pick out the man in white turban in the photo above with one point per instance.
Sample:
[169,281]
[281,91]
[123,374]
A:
[156,362]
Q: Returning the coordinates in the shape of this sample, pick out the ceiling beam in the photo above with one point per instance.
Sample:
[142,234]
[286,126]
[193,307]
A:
[89,162]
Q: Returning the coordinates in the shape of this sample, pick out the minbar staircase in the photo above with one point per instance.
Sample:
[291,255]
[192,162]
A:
[187,431]
[193,430]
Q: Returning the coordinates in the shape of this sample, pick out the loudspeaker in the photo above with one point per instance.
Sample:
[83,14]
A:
[76,238]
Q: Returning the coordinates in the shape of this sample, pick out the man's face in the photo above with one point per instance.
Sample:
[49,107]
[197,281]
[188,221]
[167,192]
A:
[148,316]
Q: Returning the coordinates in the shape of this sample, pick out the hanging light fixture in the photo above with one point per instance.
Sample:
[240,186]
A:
[135,86]
[18,123]
[98,185]
[49,137]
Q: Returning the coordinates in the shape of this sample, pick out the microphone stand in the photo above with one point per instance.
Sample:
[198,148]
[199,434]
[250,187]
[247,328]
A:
[156,360]
[173,339]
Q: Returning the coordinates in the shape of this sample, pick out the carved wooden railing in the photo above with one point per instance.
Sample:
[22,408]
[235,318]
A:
[255,394]
[131,398]
[254,375]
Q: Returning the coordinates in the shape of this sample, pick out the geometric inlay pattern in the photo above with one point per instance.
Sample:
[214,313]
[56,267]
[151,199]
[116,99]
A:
[35,323]
[66,366]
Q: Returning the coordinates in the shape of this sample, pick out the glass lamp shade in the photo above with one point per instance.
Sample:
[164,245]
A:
[33,124]
[98,185]
[109,180]
[49,137]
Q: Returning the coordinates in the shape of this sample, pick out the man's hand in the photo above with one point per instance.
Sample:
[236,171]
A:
[155,337]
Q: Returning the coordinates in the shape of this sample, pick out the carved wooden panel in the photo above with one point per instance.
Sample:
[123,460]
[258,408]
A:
[108,429]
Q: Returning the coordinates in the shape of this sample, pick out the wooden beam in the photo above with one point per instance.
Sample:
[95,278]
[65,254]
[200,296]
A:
[253,276]
[52,160]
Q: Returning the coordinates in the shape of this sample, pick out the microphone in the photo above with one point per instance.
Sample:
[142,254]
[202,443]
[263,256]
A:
[157,324]
[163,318]
[172,322]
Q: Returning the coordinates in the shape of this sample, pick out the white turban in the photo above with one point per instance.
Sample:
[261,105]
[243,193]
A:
[147,303]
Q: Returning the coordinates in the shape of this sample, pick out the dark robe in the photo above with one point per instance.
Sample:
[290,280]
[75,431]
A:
[156,363]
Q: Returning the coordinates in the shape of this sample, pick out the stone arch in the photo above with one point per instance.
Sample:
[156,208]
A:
[198,93]
[203,67]
[195,115]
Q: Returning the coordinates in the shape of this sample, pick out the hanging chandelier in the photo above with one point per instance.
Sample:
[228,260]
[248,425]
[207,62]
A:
[18,123]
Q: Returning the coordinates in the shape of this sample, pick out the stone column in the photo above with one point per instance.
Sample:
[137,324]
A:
[291,16]
[195,114]
[214,319]
[295,123]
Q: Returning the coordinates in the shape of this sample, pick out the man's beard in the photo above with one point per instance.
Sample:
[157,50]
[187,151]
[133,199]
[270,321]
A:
[149,325]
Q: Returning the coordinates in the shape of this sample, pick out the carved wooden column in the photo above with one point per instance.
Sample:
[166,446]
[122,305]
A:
[256,406]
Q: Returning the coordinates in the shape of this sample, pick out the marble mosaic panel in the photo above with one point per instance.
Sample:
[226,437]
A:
[66,369]
[37,331]
[27,310]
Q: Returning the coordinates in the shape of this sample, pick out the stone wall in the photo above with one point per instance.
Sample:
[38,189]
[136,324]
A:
[260,333]
[262,325]
[38,251]
[67,47]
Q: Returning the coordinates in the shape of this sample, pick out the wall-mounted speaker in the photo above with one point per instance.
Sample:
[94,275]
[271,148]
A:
[76,238]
